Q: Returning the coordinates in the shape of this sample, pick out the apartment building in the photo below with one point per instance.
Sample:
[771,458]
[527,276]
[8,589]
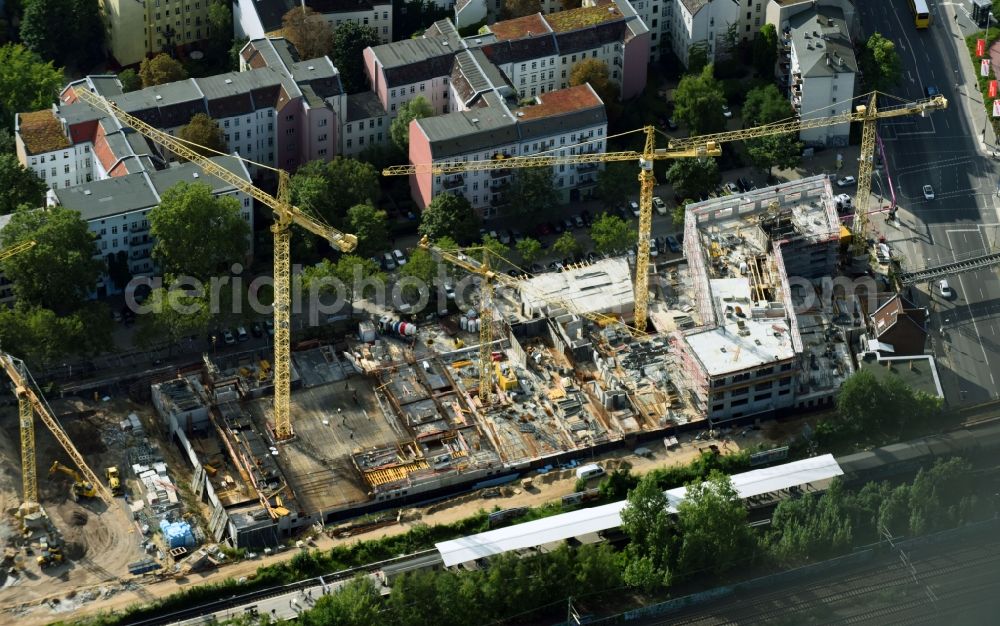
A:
[752,16]
[366,124]
[819,55]
[166,26]
[701,24]
[257,19]
[116,210]
[572,121]
[764,342]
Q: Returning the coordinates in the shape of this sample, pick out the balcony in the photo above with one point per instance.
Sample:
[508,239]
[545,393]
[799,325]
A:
[500,173]
[587,167]
[453,182]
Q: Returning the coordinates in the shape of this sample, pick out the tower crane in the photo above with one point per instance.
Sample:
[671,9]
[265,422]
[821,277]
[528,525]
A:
[647,182]
[489,278]
[868,115]
[285,213]
[29,404]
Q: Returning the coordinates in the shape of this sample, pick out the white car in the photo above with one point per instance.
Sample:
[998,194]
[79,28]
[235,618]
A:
[659,205]
[847,181]
[399,257]
[928,192]
[726,111]
[945,289]
[634,206]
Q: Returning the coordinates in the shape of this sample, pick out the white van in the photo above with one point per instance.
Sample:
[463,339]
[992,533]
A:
[589,471]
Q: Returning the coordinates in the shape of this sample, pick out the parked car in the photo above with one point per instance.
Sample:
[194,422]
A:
[673,244]
[928,192]
[932,91]
[726,111]
[242,334]
[557,227]
[587,219]
[568,224]
[399,257]
[578,221]
[256,329]
[671,124]
[504,237]
[536,268]
[516,236]
[634,208]
[732,188]
[847,181]
[388,263]
[269,325]
[228,337]
[449,291]
[659,205]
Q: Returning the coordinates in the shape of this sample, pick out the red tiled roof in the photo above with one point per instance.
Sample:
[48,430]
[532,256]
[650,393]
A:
[518,28]
[560,102]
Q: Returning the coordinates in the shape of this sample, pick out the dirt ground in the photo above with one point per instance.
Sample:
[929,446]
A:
[99,541]
[102,596]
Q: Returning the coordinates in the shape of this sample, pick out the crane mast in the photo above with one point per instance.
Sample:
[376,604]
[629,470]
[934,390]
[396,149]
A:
[286,214]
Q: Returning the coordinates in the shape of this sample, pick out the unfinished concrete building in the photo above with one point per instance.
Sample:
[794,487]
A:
[762,267]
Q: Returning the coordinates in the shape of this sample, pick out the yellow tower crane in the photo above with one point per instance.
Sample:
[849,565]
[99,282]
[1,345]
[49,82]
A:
[868,115]
[285,213]
[30,404]
[489,279]
[647,181]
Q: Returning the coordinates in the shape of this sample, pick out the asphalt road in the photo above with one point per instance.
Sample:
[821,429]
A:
[945,150]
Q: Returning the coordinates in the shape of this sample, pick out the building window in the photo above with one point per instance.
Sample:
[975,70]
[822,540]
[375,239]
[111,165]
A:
[739,402]
[65,169]
[784,382]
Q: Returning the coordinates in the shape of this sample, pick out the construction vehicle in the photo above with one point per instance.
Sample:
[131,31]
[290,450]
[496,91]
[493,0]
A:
[82,488]
[867,115]
[30,404]
[50,556]
[114,480]
[696,146]
[285,213]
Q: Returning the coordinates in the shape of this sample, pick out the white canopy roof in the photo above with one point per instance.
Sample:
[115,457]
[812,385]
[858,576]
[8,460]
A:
[576,523]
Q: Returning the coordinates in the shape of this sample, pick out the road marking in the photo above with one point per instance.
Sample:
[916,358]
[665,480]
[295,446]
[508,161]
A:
[972,316]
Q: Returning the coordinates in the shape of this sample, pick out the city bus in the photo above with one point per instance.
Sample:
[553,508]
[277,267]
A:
[921,16]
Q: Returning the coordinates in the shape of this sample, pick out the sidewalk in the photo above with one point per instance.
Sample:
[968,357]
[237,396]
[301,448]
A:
[971,99]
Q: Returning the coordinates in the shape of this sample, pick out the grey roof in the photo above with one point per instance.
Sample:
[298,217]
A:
[821,42]
[693,6]
[463,132]
[142,190]
[363,106]
[270,12]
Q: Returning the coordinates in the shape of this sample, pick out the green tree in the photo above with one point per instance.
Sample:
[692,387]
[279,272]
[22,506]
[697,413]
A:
[880,63]
[693,177]
[88,34]
[519,8]
[680,212]
[204,131]
[329,188]
[220,24]
[197,234]
[173,315]
[421,266]
[566,245]
[874,409]
[349,43]
[811,528]
[697,57]
[7,145]
[712,525]
[161,69]
[497,250]
[130,80]
[415,109]
[41,336]
[765,50]
[308,31]
[449,215]
[615,183]
[370,227]
[611,233]
[59,272]
[349,271]
[531,194]
[26,83]
[234,53]
[699,99]
[647,524]
[596,73]
[766,105]
[357,603]
[529,249]
[18,185]
[46,36]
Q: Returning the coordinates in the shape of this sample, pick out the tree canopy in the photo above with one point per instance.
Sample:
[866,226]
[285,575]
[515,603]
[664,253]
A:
[173,315]
[27,83]
[566,245]
[529,249]
[161,69]
[519,8]
[880,63]
[18,185]
[308,31]
[648,525]
[449,215]
[130,80]
[59,272]
[371,228]
[531,194]
[712,524]
[349,43]
[197,234]
[765,50]
[699,99]
[42,336]
[67,32]
[616,182]
[693,178]
[204,131]
[415,109]
[348,270]
[329,188]
[595,72]
[766,105]
[611,233]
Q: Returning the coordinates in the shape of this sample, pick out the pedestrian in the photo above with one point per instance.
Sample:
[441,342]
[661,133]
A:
[352,434]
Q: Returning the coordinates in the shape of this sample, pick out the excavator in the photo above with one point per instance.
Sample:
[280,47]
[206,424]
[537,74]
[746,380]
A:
[82,488]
